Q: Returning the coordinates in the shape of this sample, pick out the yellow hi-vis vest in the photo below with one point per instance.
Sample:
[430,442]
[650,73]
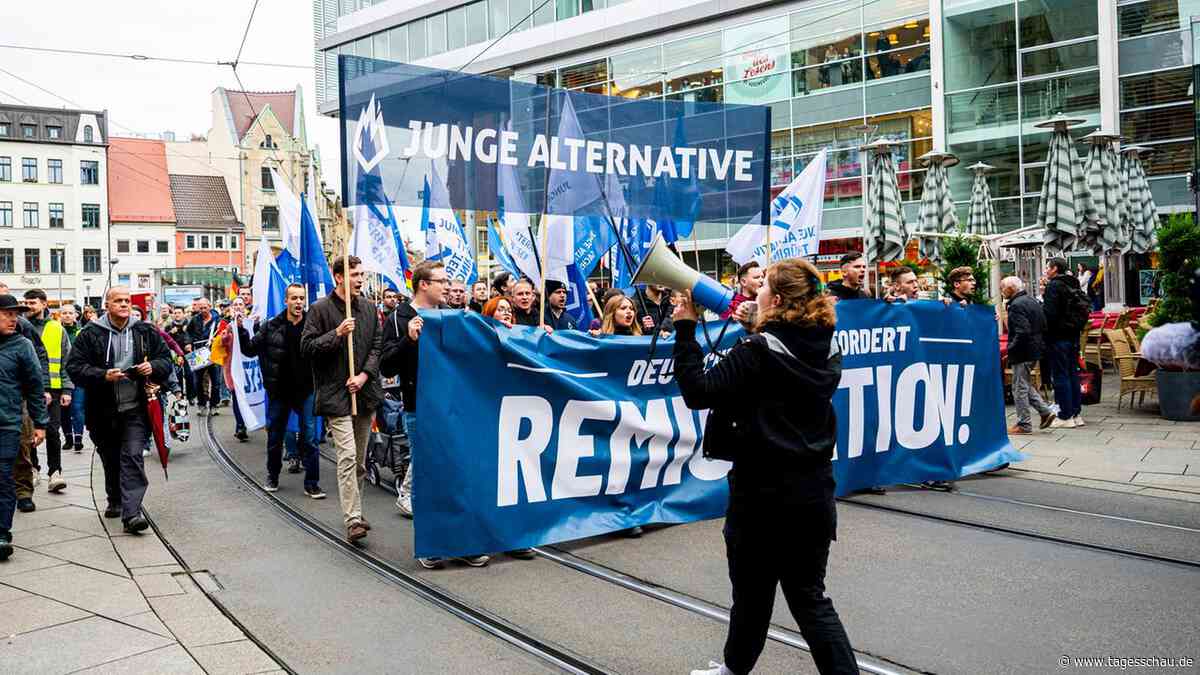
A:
[52,335]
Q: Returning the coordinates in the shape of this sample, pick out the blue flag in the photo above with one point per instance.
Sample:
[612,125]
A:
[682,204]
[288,266]
[579,306]
[314,269]
[500,251]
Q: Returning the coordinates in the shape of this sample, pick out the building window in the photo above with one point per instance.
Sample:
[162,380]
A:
[123,279]
[87,133]
[33,260]
[270,218]
[143,246]
[268,143]
[58,261]
[161,246]
[233,242]
[54,133]
[204,242]
[54,171]
[268,183]
[31,214]
[219,242]
[122,246]
[91,216]
[28,170]
[91,261]
[89,172]
[6,261]
[189,242]
[6,169]
[5,214]
[28,130]
[56,215]
[3,128]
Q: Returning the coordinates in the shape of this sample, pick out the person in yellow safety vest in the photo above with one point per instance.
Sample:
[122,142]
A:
[58,346]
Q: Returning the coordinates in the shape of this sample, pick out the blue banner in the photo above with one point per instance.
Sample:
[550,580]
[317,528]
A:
[563,436]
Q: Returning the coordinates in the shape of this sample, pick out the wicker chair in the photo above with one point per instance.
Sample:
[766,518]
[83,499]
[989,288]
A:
[1131,337]
[1126,361]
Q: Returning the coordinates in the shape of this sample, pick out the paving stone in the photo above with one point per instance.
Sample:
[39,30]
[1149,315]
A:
[1190,458]
[1144,443]
[8,593]
[154,585]
[51,534]
[98,592]
[242,656]
[1191,433]
[170,660]
[33,612]
[76,645]
[173,568]
[23,561]
[140,551]
[1040,463]
[73,517]
[1107,485]
[1107,462]
[1175,482]
[96,552]
[148,621]
[194,620]
[1170,494]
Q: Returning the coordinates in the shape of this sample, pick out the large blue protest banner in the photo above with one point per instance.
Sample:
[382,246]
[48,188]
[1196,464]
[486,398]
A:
[466,127]
[557,437]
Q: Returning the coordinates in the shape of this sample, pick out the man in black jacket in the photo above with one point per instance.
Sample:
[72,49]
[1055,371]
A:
[22,375]
[1064,342]
[287,377]
[524,299]
[324,343]
[25,467]
[400,349]
[1026,328]
[556,317]
[113,359]
[200,331]
[854,272]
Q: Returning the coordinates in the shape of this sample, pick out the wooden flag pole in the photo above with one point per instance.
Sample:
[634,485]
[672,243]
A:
[542,238]
[349,310]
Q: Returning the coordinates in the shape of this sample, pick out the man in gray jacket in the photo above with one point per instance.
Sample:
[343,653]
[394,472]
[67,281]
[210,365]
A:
[324,343]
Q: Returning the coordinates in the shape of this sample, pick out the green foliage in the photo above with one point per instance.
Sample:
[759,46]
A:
[1178,255]
[963,251]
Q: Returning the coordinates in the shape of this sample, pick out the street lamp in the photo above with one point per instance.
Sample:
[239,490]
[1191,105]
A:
[62,262]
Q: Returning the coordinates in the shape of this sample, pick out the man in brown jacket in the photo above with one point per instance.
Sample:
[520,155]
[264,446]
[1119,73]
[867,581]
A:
[324,343]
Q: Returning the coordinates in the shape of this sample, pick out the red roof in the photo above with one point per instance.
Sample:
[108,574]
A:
[283,104]
[139,190]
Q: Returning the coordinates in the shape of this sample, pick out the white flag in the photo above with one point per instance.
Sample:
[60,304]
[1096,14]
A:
[567,192]
[515,223]
[795,221]
[444,237]
[247,378]
[261,283]
[310,198]
[374,243]
[289,214]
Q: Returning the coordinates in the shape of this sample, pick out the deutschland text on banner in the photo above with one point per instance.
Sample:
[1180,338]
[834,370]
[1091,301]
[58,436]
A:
[563,436]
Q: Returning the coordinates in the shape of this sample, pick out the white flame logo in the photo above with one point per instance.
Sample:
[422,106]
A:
[370,121]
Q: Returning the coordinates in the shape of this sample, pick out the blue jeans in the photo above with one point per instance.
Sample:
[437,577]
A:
[73,423]
[10,445]
[410,428]
[1064,362]
[278,412]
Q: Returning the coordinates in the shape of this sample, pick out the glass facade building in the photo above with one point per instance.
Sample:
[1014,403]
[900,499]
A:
[968,76]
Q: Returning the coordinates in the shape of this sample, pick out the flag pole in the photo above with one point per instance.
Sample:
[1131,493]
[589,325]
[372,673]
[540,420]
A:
[349,310]
[542,240]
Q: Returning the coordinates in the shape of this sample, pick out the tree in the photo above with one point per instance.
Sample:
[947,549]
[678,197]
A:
[963,251]
[1178,258]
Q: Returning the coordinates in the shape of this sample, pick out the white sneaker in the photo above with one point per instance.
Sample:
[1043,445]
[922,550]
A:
[1079,421]
[37,477]
[714,668]
[56,482]
[1060,423]
[404,505]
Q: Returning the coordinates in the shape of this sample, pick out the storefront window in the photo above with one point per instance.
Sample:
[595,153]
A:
[498,9]
[906,34]
[1156,88]
[692,64]
[822,41]
[416,40]
[398,44]
[980,44]
[1155,16]
[1044,23]
[638,74]
[1078,94]
[1058,59]
[456,28]
[583,74]
[900,62]
[477,23]
[834,74]
[1159,124]
[977,110]
[1155,52]
[1168,159]
[437,33]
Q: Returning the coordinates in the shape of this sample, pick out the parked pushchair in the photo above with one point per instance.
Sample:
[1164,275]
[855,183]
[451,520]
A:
[389,443]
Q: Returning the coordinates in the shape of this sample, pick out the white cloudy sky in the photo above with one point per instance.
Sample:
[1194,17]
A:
[155,96]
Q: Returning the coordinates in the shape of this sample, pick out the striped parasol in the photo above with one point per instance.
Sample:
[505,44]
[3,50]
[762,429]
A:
[1065,209]
[1143,220]
[981,219]
[886,233]
[1124,174]
[1104,182]
[937,207]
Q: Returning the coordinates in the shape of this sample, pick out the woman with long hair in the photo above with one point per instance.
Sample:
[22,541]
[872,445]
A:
[500,309]
[771,402]
[620,317]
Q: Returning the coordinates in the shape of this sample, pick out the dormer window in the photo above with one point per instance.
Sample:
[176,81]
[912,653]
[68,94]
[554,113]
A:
[28,130]
[268,143]
[87,133]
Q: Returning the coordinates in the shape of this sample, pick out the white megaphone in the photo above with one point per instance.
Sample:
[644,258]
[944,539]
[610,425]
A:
[662,267]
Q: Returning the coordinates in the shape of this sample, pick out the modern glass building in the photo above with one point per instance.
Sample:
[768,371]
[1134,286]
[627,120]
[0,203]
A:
[968,76]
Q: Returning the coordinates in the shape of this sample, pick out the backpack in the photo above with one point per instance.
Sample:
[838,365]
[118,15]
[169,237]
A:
[1077,309]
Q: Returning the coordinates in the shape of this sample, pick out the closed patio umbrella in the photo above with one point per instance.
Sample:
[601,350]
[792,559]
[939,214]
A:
[1143,219]
[1065,210]
[1103,177]
[885,230]
[981,219]
[937,206]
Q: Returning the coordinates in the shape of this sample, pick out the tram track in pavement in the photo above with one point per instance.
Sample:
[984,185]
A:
[670,596]
[483,620]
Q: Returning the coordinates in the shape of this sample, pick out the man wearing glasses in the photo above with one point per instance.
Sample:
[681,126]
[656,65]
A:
[401,335]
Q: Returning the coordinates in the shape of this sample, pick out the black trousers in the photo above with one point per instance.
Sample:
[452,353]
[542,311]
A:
[762,558]
[53,440]
[121,454]
[208,389]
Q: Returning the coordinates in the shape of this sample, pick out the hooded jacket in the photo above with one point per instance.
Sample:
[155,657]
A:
[1026,329]
[22,375]
[326,351]
[778,388]
[27,330]
[1054,303]
[841,291]
[101,346]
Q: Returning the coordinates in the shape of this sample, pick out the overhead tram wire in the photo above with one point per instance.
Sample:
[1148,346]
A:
[145,57]
[506,33]
[245,34]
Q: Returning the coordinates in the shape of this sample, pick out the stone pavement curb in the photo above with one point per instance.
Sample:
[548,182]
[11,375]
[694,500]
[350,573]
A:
[80,595]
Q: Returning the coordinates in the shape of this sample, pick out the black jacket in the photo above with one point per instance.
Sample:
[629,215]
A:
[91,358]
[644,306]
[841,291]
[526,318]
[326,351]
[399,353]
[199,330]
[22,377]
[785,455]
[1054,304]
[1026,329]
[274,354]
[180,334]
[27,330]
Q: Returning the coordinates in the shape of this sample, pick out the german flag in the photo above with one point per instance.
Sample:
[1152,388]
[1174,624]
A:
[232,292]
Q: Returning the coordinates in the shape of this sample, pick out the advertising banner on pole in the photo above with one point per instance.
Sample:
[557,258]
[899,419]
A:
[563,436]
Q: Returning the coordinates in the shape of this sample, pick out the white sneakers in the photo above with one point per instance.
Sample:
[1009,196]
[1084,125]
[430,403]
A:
[1061,423]
[56,482]
[713,668]
[404,505]
[1079,421]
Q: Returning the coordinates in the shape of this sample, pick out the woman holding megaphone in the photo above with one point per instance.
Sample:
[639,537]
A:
[772,415]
